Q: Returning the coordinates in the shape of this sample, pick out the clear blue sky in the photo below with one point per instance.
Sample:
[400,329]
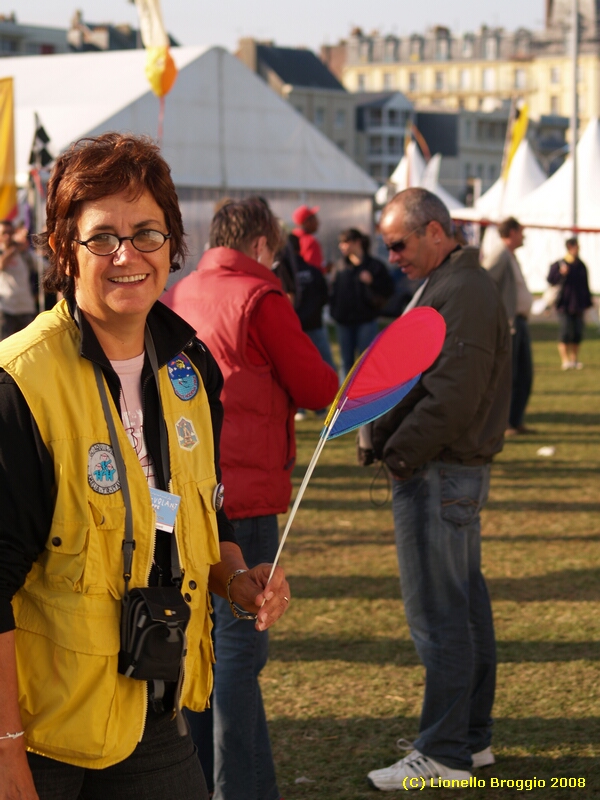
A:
[309,23]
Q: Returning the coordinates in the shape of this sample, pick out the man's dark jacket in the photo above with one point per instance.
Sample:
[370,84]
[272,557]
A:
[458,411]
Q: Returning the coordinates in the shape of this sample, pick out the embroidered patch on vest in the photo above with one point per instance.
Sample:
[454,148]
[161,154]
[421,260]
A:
[186,435]
[102,470]
[183,378]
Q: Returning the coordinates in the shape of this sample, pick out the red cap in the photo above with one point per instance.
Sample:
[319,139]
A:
[302,213]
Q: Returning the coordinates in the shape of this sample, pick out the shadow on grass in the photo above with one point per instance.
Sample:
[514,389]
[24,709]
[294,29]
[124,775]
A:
[566,585]
[331,757]
[387,650]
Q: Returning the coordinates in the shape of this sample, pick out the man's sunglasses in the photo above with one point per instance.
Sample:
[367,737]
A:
[400,245]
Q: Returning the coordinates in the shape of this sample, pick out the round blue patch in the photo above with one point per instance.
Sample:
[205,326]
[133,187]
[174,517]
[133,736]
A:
[183,378]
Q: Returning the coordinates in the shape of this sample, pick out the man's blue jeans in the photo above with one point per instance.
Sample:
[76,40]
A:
[244,768]
[447,606]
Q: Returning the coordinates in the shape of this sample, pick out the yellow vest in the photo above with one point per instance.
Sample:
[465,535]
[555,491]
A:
[74,704]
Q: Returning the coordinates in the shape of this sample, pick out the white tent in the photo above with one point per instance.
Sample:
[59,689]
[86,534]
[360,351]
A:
[501,199]
[430,181]
[412,170]
[225,132]
[550,204]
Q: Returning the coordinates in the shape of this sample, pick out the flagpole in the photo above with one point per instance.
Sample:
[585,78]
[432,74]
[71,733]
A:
[574,109]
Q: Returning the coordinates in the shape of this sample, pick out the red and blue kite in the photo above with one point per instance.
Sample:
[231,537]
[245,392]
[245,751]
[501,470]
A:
[385,373]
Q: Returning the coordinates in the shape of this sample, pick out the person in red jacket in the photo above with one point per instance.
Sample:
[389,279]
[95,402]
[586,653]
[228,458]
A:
[270,367]
[307,224]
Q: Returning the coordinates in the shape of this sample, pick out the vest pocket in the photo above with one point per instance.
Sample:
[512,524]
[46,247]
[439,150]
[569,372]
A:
[64,559]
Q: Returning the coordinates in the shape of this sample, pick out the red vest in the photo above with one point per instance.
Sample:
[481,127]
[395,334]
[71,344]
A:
[257,443]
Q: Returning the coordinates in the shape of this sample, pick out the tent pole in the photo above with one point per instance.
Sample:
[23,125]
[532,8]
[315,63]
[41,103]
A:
[574,108]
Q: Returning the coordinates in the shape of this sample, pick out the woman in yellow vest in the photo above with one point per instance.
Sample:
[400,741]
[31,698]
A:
[112,532]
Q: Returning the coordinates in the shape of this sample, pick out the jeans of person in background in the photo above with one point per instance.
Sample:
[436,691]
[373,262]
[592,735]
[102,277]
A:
[447,606]
[320,338]
[354,339]
[163,765]
[522,375]
[244,768]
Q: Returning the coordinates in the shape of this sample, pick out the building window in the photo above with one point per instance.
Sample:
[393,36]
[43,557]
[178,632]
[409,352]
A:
[520,78]
[439,81]
[341,145]
[488,80]
[319,117]
[8,46]
[413,81]
[394,145]
[491,48]
[375,171]
[340,118]
[375,118]
[468,173]
[467,130]
[388,80]
[375,146]
[390,52]
[416,48]
[554,75]
[468,47]
[555,105]
[442,48]
[465,79]
[361,81]
[492,172]
[395,118]
[364,51]
[480,171]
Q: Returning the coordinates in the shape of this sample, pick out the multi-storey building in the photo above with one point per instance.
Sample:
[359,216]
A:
[480,70]
[30,40]
[17,39]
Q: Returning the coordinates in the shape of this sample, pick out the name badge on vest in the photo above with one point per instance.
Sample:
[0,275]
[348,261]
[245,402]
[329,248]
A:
[183,378]
[102,470]
[165,506]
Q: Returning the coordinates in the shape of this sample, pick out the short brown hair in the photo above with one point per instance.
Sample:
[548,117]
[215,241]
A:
[238,222]
[98,167]
[507,225]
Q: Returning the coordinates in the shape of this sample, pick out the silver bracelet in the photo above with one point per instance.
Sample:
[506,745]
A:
[13,735]
[237,611]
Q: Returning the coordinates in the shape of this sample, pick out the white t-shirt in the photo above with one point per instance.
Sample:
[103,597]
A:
[132,413]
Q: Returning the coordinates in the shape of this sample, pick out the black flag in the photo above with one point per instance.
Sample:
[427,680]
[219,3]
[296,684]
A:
[40,156]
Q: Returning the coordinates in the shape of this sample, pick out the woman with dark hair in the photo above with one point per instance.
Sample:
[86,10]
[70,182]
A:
[569,276]
[360,286]
[110,418]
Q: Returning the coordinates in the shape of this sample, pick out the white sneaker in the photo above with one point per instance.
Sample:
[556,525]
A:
[415,771]
[484,758]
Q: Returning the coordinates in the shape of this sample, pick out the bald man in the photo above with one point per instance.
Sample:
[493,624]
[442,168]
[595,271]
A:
[438,444]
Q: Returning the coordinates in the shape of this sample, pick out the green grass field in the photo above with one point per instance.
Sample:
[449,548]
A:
[343,681]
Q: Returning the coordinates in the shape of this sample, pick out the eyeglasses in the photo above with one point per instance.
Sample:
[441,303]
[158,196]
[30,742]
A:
[105,244]
[400,245]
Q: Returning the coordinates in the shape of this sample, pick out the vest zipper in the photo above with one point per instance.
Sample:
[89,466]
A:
[145,717]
